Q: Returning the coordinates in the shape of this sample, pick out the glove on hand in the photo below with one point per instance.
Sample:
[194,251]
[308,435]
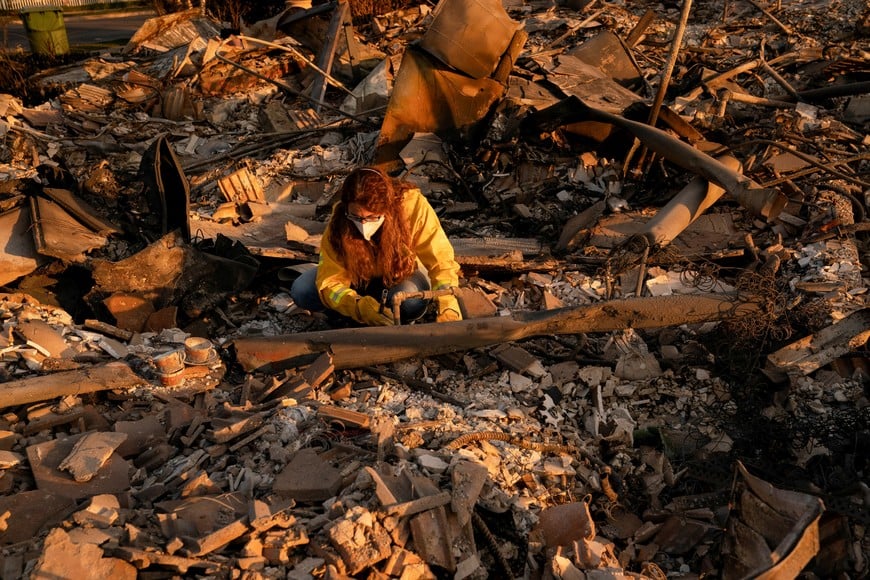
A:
[448,309]
[369,312]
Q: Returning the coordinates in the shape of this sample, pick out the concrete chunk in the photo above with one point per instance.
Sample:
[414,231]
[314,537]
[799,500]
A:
[102,512]
[45,338]
[360,539]
[61,558]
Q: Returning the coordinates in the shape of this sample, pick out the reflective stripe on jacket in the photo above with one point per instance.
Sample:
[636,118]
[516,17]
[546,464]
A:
[428,242]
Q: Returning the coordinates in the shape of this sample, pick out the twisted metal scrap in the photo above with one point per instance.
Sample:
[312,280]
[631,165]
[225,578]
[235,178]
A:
[705,276]
[770,321]
[493,545]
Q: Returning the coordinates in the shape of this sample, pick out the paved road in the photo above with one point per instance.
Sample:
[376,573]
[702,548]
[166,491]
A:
[82,29]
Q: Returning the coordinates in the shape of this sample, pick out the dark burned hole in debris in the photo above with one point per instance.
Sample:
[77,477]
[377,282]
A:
[662,367]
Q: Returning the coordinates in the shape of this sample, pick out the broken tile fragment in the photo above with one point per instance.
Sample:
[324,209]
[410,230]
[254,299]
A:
[130,312]
[307,478]
[474,303]
[563,524]
[90,453]
[44,337]
[140,434]
[10,459]
[23,522]
[217,539]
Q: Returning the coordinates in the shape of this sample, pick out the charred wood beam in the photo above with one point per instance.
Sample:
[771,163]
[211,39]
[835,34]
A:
[774,19]
[359,347]
[636,35]
[115,375]
[327,53]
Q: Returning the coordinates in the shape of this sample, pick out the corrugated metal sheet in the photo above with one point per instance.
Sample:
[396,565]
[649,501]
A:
[17,5]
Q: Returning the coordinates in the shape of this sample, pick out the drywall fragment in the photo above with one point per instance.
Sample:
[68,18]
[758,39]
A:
[90,453]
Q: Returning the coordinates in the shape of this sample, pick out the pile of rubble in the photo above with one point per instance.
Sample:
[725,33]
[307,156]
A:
[662,370]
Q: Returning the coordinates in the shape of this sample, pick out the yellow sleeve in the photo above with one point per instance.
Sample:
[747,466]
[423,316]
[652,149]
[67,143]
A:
[430,243]
[333,282]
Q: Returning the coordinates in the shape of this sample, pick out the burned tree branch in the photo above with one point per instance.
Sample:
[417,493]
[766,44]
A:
[358,347]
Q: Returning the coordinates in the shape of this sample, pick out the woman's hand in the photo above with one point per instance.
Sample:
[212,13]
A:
[370,312]
[448,309]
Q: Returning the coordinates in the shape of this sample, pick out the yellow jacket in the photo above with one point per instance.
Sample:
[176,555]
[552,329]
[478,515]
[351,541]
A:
[429,243]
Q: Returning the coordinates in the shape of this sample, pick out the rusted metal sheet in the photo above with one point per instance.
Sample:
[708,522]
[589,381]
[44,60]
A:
[219,77]
[82,211]
[163,33]
[607,52]
[428,98]
[167,187]
[19,256]
[772,533]
[356,347]
[177,105]
[595,87]
[58,234]
[469,35]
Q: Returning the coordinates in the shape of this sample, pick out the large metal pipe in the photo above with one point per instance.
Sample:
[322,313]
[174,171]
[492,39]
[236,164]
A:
[685,207]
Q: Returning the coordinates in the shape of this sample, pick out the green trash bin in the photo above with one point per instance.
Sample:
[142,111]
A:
[45,31]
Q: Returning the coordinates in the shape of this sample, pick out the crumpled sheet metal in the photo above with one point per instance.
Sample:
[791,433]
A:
[163,33]
[167,187]
[470,35]
[773,533]
[583,80]
[428,98]
[170,271]
[607,52]
[58,234]
[19,256]
[226,74]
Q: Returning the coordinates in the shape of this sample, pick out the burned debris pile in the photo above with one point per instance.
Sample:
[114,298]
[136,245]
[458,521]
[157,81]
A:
[660,214]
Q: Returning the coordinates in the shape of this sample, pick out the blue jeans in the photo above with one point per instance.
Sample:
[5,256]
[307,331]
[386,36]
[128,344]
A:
[305,295]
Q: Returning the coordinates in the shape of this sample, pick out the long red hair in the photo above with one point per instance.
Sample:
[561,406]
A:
[388,255]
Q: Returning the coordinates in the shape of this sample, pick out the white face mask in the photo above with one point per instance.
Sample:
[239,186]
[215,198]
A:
[368,229]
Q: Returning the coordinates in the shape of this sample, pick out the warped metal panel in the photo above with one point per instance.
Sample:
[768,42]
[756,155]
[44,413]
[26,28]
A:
[427,98]
[470,35]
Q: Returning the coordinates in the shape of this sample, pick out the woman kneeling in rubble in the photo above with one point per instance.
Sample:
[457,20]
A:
[381,231]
